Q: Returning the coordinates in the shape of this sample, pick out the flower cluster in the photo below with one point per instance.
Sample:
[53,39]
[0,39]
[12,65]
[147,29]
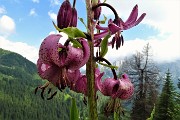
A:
[60,63]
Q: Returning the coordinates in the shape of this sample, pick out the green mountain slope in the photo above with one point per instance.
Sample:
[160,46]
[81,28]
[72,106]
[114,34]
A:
[18,79]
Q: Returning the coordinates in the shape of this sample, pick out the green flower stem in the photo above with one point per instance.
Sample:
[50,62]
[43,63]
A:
[105,60]
[90,66]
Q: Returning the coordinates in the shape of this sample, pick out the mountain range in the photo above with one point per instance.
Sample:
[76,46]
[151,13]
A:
[18,80]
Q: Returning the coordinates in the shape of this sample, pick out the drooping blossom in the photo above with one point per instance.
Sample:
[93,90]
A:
[51,51]
[80,86]
[60,64]
[121,88]
[126,88]
[117,25]
[59,77]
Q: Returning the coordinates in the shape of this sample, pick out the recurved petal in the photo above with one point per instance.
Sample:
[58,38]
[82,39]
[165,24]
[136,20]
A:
[73,76]
[114,28]
[81,85]
[133,16]
[86,51]
[109,87]
[126,88]
[51,72]
[74,58]
[128,26]
[140,19]
[77,57]
[101,27]
[101,35]
[48,45]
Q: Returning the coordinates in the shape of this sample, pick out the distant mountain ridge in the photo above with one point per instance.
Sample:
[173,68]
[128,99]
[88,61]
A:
[11,59]
[18,80]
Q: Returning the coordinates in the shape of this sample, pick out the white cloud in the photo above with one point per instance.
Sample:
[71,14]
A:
[7,25]
[2,10]
[35,1]
[163,50]
[52,15]
[163,16]
[55,2]
[33,12]
[30,52]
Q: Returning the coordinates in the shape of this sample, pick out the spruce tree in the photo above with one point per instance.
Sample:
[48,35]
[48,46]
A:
[166,103]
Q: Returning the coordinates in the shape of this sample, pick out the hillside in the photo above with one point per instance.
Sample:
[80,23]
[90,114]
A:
[18,79]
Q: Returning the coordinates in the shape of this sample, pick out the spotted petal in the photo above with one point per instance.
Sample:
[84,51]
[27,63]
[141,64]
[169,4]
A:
[109,87]
[52,72]
[77,57]
[81,85]
[126,88]
[49,44]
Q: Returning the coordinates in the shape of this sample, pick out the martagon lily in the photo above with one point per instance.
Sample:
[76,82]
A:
[117,25]
[51,51]
[60,64]
[121,88]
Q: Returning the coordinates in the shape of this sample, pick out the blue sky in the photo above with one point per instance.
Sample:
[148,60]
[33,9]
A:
[25,23]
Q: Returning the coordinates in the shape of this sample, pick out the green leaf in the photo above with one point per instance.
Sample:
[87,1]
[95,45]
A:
[73,32]
[104,46]
[110,66]
[116,116]
[103,21]
[66,97]
[75,43]
[74,113]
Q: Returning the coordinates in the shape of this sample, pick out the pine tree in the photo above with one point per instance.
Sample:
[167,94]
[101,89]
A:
[145,76]
[166,103]
[178,83]
[177,100]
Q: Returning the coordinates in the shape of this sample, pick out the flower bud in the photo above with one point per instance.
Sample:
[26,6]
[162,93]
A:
[64,15]
[97,12]
[74,18]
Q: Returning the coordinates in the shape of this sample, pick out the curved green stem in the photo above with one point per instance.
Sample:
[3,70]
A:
[105,60]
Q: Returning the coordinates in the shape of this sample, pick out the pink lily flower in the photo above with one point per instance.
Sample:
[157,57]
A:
[118,25]
[126,88]
[80,86]
[121,88]
[51,51]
